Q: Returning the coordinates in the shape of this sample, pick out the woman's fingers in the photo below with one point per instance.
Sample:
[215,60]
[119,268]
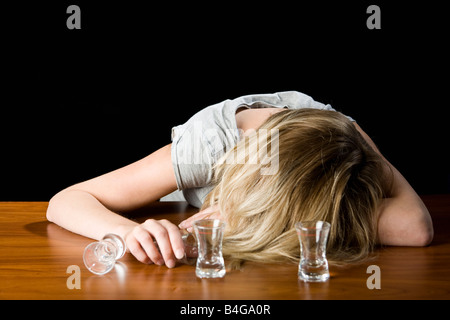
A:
[156,241]
[176,242]
[208,213]
[160,242]
[136,249]
[159,233]
[147,246]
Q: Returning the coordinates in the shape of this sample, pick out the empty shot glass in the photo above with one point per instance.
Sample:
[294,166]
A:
[210,262]
[313,236]
[100,257]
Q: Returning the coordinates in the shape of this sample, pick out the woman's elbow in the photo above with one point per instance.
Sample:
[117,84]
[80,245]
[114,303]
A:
[414,230]
[422,232]
[54,206]
[51,210]
[425,235]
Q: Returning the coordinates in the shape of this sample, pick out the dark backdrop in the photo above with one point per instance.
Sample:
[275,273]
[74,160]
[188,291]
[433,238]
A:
[79,103]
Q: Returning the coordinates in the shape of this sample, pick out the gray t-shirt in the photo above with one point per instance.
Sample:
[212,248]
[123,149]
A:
[206,136]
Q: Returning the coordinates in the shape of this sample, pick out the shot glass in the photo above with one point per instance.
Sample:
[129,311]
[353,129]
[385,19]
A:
[100,257]
[210,263]
[190,247]
[313,236]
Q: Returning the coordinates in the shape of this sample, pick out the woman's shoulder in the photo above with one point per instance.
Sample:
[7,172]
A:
[253,118]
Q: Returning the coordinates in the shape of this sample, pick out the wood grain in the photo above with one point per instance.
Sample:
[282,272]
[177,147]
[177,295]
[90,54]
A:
[35,254]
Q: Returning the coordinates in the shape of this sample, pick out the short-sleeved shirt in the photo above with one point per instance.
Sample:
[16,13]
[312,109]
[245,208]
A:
[206,136]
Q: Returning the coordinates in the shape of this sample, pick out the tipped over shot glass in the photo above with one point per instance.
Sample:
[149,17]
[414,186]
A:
[313,237]
[100,257]
[210,262]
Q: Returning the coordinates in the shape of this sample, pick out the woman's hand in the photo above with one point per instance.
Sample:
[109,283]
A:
[143,242]
[209,213]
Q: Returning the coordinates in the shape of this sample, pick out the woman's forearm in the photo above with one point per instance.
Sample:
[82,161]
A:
[89,208]
[80,212]
[403,219]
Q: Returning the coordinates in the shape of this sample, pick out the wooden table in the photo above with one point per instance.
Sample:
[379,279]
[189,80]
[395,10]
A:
[35,256]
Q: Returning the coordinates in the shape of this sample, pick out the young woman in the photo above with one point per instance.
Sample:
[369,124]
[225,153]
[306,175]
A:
[261,163]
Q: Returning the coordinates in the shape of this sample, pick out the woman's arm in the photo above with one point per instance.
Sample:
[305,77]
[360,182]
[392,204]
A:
[403,219]
[90,208]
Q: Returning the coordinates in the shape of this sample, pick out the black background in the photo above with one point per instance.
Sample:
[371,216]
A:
[79,103]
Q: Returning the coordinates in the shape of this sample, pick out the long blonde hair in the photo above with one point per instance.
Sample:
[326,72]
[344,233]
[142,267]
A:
[325,170]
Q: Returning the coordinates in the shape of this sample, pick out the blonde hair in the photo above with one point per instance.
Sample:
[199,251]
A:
[325,171]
